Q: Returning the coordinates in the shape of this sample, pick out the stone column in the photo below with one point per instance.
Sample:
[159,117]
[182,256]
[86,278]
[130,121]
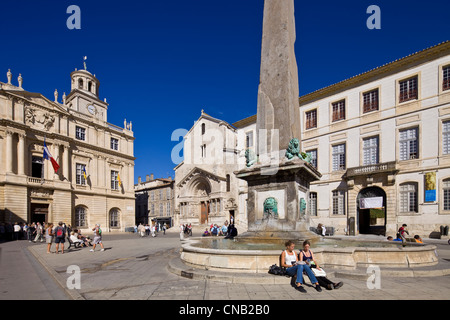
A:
[57,158]
[66,162]
[21,154]
[9,151]
[130,177]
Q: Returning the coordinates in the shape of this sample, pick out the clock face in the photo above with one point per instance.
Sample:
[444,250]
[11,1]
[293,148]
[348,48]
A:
[91,109]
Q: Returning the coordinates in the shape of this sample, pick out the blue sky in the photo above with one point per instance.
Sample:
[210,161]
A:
[161,62]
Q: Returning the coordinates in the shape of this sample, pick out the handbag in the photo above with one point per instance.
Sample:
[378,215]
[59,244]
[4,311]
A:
[276,270]
[319,273]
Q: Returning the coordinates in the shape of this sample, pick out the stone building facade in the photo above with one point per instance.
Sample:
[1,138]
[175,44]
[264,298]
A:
[381,141]
[205,190]
[94,183]
[155,201]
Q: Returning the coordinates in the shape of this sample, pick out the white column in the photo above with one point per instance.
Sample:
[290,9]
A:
[9,151]
[66,162]
[57,159]
[130,177]
[21,155]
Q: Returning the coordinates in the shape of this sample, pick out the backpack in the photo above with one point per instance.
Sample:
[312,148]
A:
[60,232]
[276,270]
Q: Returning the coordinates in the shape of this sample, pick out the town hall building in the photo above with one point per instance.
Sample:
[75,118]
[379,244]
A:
[94,183]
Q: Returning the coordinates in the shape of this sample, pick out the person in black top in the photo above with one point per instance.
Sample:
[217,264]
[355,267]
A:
[307,256]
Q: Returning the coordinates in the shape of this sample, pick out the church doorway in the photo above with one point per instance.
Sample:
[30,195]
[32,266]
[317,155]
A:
[371,211]
[204,213]
[38,213]
[231,216]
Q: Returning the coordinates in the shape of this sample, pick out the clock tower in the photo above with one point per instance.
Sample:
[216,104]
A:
[83,96]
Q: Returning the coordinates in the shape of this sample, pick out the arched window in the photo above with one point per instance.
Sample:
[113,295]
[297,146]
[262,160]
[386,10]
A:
[114,218]
[90,86]
[80,217]
[80,84]
[203,128]
[228,183]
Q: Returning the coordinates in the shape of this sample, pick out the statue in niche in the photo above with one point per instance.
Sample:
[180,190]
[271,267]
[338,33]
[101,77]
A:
[270,208]
[250,157]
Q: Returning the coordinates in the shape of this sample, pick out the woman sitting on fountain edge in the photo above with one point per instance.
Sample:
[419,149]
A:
[289,261]
[307,256]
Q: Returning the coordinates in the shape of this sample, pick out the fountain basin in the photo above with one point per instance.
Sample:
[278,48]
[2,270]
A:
[226,255]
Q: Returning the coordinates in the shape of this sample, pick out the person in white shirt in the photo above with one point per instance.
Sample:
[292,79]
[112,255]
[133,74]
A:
[75,239]
[17,230]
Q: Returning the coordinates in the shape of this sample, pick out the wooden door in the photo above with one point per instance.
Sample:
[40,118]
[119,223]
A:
[204,213]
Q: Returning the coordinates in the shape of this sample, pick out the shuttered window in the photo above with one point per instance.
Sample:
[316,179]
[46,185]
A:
[339,157]
[446,137]
[409,147]
[370,150]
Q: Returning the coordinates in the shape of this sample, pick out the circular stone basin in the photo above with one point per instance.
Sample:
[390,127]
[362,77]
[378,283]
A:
[256,256]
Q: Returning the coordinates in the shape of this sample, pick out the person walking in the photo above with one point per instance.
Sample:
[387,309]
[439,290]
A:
[97,238]
[49,236]
[60,234]
[39,232]
[403,232]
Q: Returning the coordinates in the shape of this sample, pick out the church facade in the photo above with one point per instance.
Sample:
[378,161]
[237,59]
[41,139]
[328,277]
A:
[205,186]
[95,179]
[379,139]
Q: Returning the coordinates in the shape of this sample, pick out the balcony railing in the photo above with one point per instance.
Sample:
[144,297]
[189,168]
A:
[387,167]
[36,180]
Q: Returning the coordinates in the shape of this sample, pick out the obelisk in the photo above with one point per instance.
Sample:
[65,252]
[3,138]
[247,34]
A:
[278,94]
[278,190]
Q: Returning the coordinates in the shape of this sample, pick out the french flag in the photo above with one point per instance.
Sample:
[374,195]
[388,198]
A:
[48,156]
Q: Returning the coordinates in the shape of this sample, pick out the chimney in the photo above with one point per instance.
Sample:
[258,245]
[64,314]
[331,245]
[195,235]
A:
[139,180]
[151,176]
[147,178]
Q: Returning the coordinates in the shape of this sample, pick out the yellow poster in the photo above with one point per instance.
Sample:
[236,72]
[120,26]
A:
[430,186]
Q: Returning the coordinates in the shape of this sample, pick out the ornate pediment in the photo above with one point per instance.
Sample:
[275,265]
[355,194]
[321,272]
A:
[39,118]
[194,173]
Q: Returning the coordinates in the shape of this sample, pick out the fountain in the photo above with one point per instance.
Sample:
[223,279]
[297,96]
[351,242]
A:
[279,175]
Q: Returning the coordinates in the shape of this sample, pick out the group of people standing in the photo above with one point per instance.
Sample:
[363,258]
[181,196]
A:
[22,231]
[49,233]
[59,233]
[145,230]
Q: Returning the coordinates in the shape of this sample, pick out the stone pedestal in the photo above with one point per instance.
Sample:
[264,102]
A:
[277,203]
